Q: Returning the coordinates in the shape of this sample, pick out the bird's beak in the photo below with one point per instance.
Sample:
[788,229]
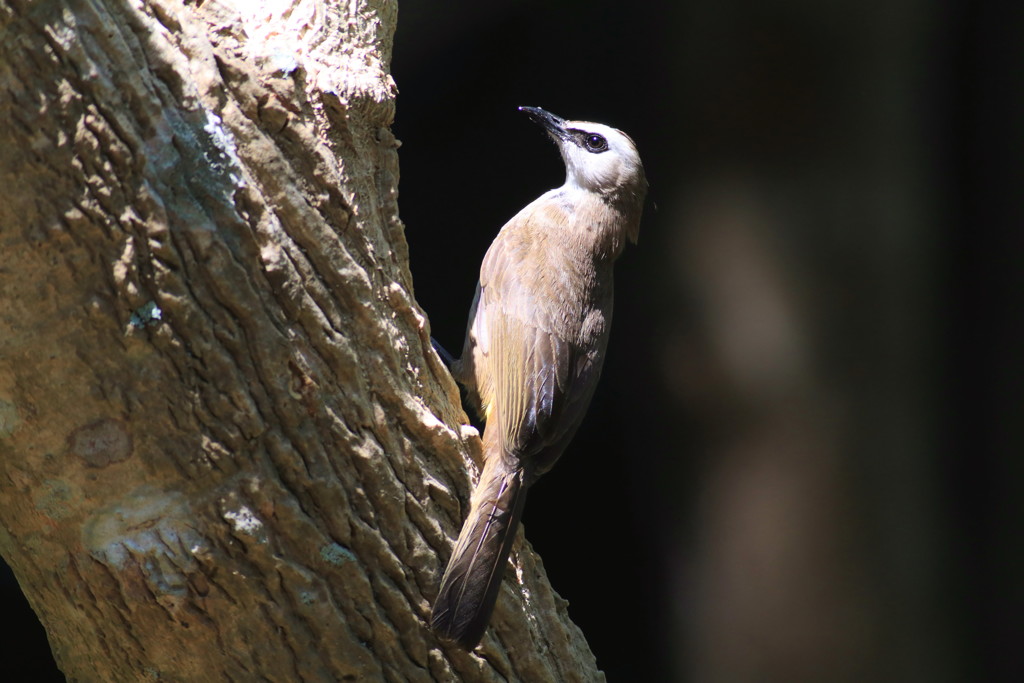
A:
[554,125]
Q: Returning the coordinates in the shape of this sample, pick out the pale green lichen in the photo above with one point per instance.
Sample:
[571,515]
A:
[244,521]
[54,498]
[336,554]
[147,314]
[9,418]
[149,528]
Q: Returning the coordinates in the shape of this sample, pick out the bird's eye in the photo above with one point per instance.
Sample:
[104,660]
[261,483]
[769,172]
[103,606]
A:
[595,143]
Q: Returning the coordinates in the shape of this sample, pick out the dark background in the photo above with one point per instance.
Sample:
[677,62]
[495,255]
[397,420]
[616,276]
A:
[804,460]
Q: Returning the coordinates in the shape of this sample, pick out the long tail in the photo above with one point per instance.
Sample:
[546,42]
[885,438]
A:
[470,584]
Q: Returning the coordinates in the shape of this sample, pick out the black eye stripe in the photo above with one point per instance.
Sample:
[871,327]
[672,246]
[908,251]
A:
[592,142]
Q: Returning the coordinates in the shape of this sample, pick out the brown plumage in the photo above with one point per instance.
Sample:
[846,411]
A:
[538,330]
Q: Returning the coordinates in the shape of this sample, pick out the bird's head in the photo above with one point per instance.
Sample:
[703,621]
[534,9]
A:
[598,158]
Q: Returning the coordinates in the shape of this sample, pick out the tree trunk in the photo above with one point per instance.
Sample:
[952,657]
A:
[227,451]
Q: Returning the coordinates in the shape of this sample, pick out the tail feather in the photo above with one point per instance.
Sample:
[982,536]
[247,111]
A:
[470,584]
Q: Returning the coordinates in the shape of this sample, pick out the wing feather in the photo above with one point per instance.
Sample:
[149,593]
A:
[534,378]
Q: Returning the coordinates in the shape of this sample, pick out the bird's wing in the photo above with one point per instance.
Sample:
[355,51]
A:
[538,380]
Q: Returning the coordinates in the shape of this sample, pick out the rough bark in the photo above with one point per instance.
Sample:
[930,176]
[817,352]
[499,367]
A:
[227,451]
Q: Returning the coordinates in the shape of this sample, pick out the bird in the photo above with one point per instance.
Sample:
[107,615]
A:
[534,347]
